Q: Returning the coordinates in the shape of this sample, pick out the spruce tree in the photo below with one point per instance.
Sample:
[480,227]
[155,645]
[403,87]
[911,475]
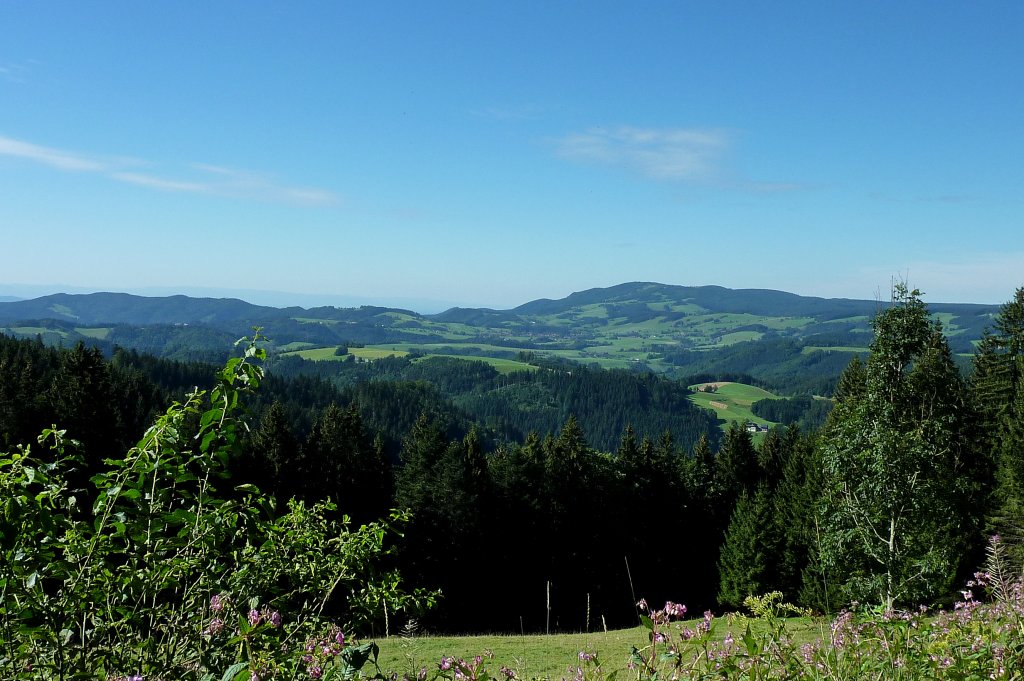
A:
[997,387]
[746,561]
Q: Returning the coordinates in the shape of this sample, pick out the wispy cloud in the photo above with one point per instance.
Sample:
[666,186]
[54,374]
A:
[675,154]
[197,178]
[13,73]
[55,158]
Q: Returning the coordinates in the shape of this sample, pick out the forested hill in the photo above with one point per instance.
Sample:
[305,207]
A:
[789,343]
[123,308]
[636,300]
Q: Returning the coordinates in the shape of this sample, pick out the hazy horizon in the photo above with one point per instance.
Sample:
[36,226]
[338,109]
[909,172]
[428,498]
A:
[284,299]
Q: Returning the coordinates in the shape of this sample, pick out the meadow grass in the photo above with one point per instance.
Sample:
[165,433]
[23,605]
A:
[99,333]
[295,345]
[327,354]
[503,366]
[732,402]
[549,656]
[315,354]
[33,331]
[315,320]
[739,337]
[808,349]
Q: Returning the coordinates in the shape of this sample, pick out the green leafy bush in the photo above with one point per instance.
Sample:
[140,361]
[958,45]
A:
[153,574]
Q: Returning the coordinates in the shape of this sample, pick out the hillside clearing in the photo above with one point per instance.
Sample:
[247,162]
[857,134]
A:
[730,401]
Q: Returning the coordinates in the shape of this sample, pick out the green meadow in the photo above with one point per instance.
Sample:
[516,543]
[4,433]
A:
[99,333]
[731,402]
[539,656]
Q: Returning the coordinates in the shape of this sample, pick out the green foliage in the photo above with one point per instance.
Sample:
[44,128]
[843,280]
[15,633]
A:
[128,582]
[900,471]
[997,386]
[746,563]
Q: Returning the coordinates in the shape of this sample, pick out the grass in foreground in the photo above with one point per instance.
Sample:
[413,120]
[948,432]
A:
[550,656]
[974,641]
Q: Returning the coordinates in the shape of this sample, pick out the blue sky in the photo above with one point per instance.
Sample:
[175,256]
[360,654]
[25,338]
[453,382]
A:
[491,153]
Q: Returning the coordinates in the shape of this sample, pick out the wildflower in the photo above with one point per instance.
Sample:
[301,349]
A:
[446,663]
[642,604]
[216,603]
[254,617]
[275,619]
[677,610]
[213,628]
[705,626]
[316,672]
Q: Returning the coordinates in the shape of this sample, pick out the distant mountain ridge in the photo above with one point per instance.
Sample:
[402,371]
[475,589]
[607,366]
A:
[786,342]
[124,308]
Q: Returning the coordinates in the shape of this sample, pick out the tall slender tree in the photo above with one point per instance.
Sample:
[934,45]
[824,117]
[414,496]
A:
[997,387]
[900,470]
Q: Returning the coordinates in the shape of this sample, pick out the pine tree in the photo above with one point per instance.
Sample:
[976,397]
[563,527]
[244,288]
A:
[273,454]
[746,561]
[997,387]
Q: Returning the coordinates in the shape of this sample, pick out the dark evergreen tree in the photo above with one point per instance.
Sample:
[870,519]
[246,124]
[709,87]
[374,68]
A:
[345,466]
[746,564]
[997,387]
[272,457]
[736,469]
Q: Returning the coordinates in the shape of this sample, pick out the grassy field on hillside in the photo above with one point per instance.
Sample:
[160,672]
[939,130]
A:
[32,331]
[327,354]
[503,366]
[99,333]
[731,402]
[808,349]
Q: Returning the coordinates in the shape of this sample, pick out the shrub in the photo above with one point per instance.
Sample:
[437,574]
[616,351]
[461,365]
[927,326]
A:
[160,577]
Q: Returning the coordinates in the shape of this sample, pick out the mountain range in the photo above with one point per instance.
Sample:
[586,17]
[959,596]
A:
[678,330]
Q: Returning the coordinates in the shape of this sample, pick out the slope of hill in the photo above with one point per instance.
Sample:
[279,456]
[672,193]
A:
[123,308]
[790,342]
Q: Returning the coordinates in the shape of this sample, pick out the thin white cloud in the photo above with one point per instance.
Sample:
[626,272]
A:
[244,183]
[212,180]
[55,158]
[674,154]
[13,73]
[161,183]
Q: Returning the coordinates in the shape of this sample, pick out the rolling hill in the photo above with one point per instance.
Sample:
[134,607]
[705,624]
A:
[770,336]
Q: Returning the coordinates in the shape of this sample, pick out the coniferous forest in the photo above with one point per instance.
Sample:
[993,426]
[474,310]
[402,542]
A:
[578,489]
